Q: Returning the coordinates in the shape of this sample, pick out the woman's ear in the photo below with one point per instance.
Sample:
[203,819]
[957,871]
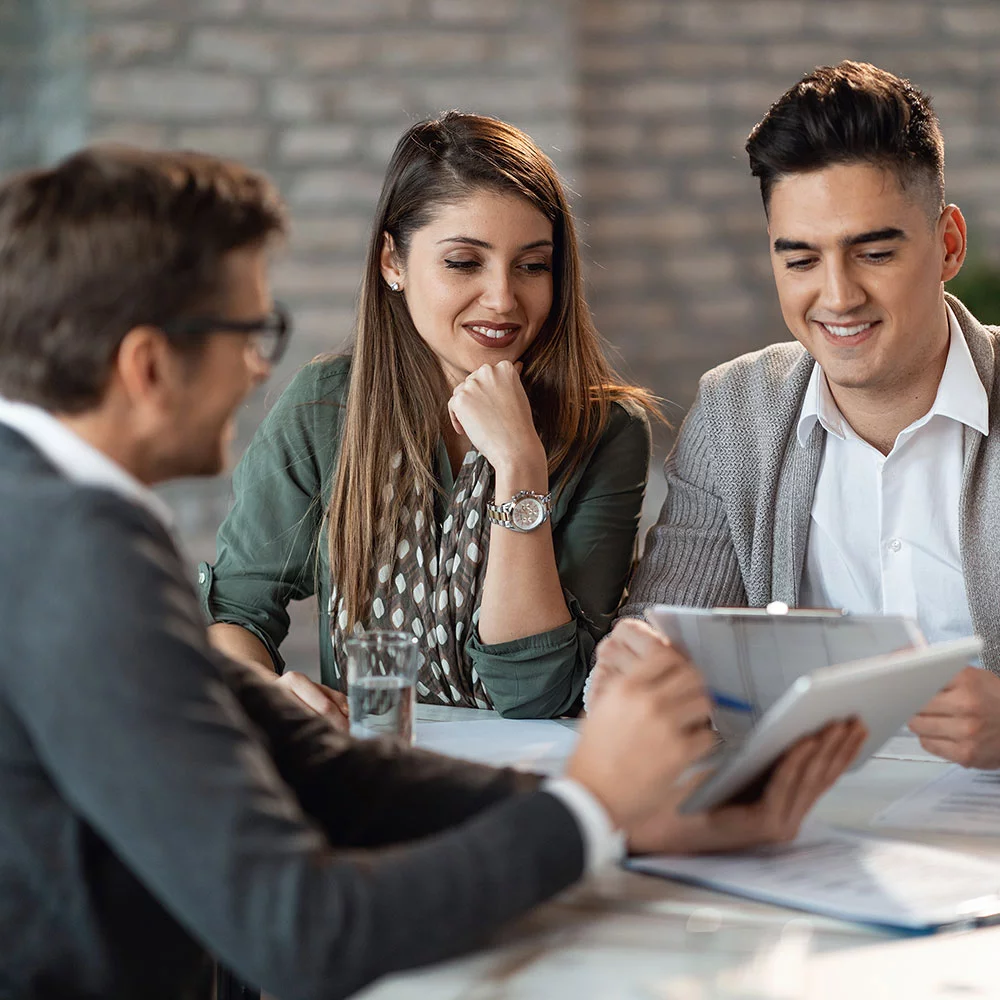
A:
[391,272]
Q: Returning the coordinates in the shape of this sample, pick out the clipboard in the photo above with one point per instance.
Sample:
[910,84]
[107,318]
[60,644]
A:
[754,655]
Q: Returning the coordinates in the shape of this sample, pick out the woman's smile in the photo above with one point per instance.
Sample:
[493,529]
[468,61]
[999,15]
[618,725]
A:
[492,335]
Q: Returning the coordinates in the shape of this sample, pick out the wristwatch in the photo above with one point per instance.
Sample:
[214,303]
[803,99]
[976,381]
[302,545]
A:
[524,511]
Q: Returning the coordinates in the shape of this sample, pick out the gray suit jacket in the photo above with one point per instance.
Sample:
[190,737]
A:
[734,526]
[160,804]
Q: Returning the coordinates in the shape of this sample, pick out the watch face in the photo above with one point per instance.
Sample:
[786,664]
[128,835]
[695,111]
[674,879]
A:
[527,514]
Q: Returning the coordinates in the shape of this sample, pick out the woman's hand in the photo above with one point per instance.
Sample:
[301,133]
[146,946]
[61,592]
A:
[491,408]
[805,773]
[237,643]
[323,700]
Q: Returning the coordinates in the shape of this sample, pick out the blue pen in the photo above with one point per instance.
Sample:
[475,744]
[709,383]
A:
[730,703]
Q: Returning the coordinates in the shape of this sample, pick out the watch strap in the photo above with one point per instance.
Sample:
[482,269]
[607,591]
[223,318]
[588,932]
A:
[503,514]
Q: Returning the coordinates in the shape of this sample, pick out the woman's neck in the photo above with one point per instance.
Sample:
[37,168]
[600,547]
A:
[457,444]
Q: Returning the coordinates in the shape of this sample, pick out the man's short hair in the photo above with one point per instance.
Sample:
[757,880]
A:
[851,113]
[110,239]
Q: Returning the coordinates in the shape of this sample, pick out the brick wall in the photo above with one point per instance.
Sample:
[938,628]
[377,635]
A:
[42,80]
[317,92]
[643,104]
[680,278]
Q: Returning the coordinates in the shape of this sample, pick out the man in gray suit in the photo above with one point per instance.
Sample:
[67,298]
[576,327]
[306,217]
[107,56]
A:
[161,804]
[860,467]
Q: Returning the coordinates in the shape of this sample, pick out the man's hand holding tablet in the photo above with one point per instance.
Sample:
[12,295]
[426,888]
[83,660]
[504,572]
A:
[635,652]
[648,727]
[803,775]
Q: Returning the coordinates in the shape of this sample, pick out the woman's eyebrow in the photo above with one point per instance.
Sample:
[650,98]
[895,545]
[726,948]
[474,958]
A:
[473,242]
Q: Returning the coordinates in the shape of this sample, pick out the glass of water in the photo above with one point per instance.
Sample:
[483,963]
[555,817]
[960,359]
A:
[381,684]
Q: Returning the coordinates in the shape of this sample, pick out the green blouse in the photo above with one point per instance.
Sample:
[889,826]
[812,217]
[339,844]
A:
[272,546]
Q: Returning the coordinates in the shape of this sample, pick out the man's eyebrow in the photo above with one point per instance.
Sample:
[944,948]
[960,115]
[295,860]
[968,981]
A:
[473,242]
[784,245]
[875,236]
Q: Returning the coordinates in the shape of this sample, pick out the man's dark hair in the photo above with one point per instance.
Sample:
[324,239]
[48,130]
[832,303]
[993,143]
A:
[850,113]
[110,239]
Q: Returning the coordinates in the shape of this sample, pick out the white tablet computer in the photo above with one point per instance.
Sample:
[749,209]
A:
[883,691]
[751,656]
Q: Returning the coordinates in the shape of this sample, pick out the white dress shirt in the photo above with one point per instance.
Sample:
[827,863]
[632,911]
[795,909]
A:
[81,462]
[884,533]
[77,459]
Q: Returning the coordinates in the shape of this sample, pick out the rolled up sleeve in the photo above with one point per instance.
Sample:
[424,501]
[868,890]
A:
[267,545]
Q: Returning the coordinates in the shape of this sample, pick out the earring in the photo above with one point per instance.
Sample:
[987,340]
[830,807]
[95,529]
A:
[394,286]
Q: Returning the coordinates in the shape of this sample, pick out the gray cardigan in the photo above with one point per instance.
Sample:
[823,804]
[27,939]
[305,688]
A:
[734,526]
[160,804]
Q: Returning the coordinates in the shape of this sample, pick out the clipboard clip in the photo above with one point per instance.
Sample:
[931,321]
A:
[778,609]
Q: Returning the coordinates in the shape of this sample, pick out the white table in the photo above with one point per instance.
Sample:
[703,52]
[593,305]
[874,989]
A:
[631,937]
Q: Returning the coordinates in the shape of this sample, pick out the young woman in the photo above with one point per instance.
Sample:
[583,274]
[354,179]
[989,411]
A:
[473,471]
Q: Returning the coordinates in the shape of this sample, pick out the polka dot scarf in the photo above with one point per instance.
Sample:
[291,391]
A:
[432,588]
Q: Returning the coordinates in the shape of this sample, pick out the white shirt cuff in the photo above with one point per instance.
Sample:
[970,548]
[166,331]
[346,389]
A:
[603,845]
[586,691]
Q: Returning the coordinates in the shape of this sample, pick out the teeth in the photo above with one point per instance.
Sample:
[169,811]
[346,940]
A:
[846,331]
[486,331]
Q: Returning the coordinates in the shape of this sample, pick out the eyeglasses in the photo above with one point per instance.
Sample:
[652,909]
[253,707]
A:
[268,336]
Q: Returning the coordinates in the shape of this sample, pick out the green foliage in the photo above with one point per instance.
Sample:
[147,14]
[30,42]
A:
[977,285]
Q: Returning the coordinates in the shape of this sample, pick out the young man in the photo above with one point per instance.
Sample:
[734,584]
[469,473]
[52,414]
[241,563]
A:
[860,467]
[160,803]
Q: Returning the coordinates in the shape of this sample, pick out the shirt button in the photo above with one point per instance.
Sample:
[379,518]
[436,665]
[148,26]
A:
[895,545]
[201,576]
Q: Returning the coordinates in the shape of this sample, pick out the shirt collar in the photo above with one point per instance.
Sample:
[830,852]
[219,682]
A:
[960,395]
[77,459]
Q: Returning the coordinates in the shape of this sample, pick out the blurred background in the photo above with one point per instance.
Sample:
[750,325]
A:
[643,104]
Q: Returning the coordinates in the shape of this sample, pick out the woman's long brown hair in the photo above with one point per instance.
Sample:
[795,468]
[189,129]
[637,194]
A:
[397,397]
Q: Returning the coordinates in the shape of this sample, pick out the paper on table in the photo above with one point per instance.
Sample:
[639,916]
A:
[949,966]
[868,880]
[958,801]
[905,745]
[793,967]
[530,745]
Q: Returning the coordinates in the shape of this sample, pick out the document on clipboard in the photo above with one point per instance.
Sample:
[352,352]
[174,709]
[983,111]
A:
[753,655]
[888,883]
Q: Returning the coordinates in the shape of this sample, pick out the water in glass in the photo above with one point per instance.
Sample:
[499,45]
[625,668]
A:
[382,706]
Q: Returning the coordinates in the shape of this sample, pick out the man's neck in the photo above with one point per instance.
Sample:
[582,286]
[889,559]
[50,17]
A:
[98,429]
[878,415]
